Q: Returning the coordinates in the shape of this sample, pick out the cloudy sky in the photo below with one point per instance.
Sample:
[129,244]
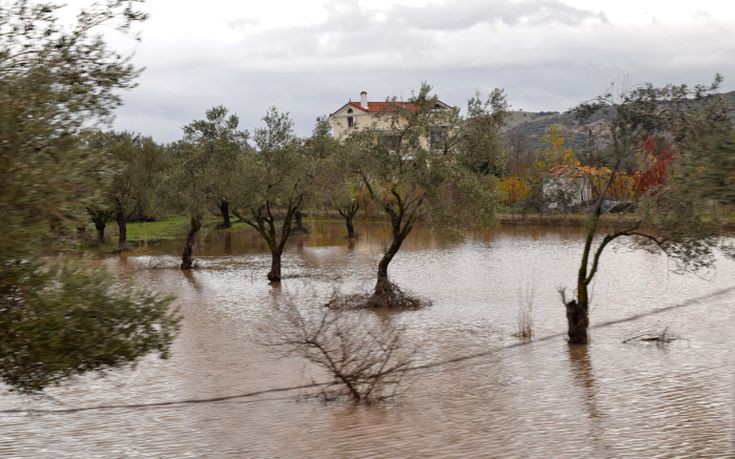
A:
[309,57]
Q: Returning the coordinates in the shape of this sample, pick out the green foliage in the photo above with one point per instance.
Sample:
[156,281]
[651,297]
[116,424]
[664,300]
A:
[409,181]
[58,319]
[335,186]
[480,146]
[274,180]
[133,166]
[205,163]
[712,165]
[219,138]
[276,176]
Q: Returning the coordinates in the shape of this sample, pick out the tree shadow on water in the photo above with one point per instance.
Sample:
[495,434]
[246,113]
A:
[583,377]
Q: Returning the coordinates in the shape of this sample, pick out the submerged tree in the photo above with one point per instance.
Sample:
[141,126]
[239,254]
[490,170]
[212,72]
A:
[57,318]
[273,182]
[673,214]
[410,181]
[204,165]
[367,359]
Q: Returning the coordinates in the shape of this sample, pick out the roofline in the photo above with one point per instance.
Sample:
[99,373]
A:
[346,104]
[358,106]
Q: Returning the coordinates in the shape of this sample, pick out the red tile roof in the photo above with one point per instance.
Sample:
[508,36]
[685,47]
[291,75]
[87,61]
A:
[374,107]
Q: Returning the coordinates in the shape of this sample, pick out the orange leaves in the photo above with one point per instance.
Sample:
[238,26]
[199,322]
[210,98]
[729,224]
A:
[657,155]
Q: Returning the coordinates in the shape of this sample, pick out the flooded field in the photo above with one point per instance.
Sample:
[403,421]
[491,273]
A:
[486,394]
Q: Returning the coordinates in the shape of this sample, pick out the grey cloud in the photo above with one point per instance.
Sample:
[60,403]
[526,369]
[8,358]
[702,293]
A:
[403,32]
[242,23]
[456,15]
[311,70]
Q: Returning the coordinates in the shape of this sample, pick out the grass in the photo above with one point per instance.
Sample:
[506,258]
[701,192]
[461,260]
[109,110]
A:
[168,228]
[524,330]
[175,227]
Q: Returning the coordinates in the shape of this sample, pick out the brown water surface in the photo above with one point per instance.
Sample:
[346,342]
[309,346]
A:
[506,399]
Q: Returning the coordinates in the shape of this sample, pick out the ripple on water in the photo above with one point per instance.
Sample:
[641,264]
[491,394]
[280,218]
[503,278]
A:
[542,399]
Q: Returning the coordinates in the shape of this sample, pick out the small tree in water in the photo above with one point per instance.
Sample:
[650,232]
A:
[367,357]
[204,164]
[274,179]
[410,181]
[673,215]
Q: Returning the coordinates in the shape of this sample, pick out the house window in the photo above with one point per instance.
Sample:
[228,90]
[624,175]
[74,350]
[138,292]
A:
[391,141]
[350,119]
[438,138]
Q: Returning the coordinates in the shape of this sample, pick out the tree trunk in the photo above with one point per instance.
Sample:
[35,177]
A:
[351,234]
[299,228]
[348,213]
[224,208]
[187,261]
[100,227]
[122,231]
[578,319]
[383,285]
[275,273]
[577,310]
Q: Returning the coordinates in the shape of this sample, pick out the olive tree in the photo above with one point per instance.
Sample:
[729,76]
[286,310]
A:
[673,215]
[134,165]
[220,139]
[202,167]
[479,141]
[57,317]
[338,187]
[273,183]
[411,182]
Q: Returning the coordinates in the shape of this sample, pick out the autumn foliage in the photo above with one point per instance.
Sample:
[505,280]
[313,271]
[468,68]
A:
[657,156]
[513,189]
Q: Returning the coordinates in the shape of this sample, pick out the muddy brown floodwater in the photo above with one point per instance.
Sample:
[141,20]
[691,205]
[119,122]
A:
[506,399]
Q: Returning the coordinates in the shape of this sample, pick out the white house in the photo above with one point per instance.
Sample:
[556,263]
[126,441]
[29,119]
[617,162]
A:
[366,114]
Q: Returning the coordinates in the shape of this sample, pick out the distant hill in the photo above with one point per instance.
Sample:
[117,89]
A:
[534,124]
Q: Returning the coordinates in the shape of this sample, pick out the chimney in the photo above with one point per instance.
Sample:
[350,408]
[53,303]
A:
[363,100]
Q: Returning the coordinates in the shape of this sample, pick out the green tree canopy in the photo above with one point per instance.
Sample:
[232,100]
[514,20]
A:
[480,144]
[128,178]
[673,215]
[409,181]
[57,319]
[275,179]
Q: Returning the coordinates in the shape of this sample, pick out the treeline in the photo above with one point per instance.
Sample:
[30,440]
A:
[267,178]
[667,151]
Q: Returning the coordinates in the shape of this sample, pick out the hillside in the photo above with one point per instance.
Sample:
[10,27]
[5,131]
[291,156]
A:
[534,124]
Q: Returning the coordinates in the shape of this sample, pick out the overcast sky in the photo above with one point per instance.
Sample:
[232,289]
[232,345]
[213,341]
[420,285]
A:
[309,57]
